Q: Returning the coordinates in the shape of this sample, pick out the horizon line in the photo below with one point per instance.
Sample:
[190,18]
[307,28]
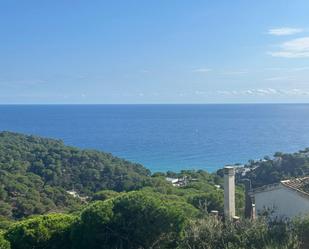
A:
[92,104]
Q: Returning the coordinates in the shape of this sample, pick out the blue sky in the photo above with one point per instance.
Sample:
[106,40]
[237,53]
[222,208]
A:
[154,51]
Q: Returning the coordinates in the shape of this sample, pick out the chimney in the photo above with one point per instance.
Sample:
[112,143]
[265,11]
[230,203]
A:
[214,213]
[253,215]
[248,199]
[229,192]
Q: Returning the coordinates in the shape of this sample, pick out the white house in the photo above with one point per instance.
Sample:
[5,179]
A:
[177,182]
[286,199]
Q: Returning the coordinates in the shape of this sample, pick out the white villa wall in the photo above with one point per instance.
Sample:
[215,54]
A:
[284,201]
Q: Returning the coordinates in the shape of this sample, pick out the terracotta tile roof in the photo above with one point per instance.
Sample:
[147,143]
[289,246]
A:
[300,184]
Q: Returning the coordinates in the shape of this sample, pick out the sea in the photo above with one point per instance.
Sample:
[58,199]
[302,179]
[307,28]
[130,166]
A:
[169,137]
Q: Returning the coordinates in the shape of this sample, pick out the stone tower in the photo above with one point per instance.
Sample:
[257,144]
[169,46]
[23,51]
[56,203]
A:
[229,192]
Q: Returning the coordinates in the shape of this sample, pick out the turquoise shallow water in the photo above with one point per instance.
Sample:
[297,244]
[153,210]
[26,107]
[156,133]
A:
[169,137]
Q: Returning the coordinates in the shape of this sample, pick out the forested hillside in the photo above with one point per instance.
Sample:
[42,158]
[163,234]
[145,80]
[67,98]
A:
[282,166]
[36,172]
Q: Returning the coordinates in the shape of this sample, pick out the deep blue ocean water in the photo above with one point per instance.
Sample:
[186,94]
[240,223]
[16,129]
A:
[169,137]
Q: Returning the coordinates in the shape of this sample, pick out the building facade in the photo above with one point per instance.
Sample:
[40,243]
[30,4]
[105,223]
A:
[287,199]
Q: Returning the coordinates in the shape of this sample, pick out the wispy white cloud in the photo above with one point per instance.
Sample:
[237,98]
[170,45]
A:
[202,70]
[197,92]
[274,69]
[255,93]
[277,78]
[297,69]
[284,31]
[286,69]
[24,82]
[235,72]
[296,48]
[266,92]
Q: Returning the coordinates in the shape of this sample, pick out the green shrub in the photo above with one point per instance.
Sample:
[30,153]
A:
[104,195]
[92,230]
[208,201]
[4,244]
[5,223]
[212,233]
[133,220]
[302,227]
[41,232]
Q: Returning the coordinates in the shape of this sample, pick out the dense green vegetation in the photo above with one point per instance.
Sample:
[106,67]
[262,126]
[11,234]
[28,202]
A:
[4,244]
[119,204]
[258,234]
[204,191]
[48,231]
[282,166]
[35,174]
[133,220]
[139,220]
